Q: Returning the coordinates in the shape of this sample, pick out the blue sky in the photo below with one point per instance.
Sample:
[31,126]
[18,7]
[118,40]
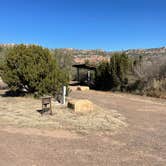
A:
[84,24]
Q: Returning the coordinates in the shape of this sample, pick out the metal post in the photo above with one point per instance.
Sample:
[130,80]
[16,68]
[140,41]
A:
[78,74]
[89,76]
[64,95]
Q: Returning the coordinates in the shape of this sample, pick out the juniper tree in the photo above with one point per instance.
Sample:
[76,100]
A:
[113,75]
[33,69]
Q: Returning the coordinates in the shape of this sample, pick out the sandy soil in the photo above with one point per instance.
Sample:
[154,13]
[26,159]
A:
[142,143]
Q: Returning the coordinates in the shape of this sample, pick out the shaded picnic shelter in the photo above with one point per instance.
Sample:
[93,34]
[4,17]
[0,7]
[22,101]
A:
[87,67]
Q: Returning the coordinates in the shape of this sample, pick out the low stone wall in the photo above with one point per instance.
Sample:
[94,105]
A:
[83,88]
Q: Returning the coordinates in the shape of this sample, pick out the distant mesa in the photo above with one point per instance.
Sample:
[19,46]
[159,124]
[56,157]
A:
[81,56]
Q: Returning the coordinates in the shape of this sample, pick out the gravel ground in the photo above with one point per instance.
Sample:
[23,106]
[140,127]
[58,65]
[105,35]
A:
[142,143]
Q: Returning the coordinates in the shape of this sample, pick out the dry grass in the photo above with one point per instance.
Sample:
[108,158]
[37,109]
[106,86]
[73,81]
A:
[22,112]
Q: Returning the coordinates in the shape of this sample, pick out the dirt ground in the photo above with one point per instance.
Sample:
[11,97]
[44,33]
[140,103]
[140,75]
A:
[141,143]
[25,112]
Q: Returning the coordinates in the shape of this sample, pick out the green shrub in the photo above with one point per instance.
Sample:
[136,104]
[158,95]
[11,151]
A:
[113,74]
[33,69]
[103,76]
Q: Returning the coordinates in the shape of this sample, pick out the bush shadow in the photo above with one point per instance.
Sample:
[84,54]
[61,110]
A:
[10,93]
